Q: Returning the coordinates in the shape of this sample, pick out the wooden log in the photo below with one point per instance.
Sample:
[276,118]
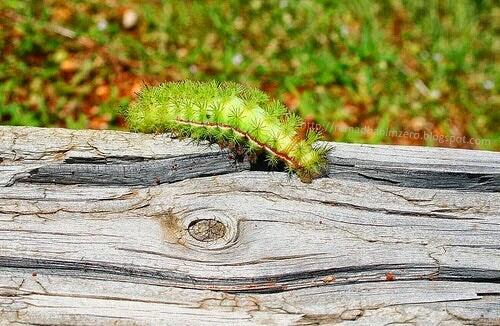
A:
[106,227]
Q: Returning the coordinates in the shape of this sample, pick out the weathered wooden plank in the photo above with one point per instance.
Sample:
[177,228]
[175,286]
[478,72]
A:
[240,247]
[285,238]
[106,157]
[419,167]
[109,157]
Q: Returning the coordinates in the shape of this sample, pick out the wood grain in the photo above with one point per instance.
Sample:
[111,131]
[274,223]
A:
[228,246]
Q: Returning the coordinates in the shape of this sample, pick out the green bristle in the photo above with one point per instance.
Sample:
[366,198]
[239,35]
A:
[252,149]
[271,160]
[217,113]
[202,111]
[257,130]
[276,108]
[272,138]
[235,117]
[312,137]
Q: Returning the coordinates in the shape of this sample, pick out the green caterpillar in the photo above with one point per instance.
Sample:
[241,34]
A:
[229,113]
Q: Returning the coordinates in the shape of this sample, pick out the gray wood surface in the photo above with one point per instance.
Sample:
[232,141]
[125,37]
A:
[106,227]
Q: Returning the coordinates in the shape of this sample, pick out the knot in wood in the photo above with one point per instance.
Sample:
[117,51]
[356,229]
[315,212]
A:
[207,230]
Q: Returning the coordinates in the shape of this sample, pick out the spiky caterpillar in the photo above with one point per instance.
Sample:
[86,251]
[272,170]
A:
[230,113]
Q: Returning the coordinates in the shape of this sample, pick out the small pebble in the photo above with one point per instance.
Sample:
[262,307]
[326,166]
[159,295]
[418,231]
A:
[69,65]
[488,84]
[193,69]
[344,30]
[129,18]
[102,24]
[438,57]
[237,59]
[434,94]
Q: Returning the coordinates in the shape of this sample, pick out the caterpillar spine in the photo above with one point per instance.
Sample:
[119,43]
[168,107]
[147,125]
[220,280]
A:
[228,112]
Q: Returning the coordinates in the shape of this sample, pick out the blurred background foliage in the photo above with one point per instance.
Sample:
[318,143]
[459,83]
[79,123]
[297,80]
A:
[367,71]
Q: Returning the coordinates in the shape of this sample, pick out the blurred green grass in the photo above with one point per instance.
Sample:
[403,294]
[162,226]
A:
[361,69]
